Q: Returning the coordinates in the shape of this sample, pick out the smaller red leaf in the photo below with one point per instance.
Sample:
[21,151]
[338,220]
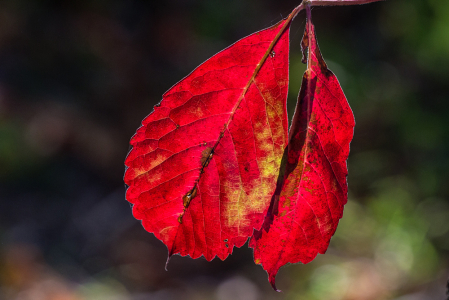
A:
[312,188]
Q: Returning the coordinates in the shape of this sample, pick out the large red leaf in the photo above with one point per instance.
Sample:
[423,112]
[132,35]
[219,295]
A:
[312,188]
[204,163]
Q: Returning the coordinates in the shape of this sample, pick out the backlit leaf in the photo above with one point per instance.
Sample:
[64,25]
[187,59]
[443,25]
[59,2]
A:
[213,164]
[312,188]
[204,163]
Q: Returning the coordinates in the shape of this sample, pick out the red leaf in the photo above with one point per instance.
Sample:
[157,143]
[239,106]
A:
[312,189]
[204,163]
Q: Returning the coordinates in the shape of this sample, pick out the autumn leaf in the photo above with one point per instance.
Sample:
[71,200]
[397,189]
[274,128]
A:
[312,189]
[204,163]
[214,163]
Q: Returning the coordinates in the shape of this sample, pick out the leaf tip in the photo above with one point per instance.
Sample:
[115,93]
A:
[168,260]
[272,280]
[273,285]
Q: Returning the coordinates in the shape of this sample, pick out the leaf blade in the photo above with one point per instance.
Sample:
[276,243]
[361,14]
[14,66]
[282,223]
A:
[217,136]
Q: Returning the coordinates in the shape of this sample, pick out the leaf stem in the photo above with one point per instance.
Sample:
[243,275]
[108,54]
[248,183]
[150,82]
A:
[309,29]
[337,2]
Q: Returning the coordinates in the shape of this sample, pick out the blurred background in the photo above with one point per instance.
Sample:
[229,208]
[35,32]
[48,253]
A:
[76,79]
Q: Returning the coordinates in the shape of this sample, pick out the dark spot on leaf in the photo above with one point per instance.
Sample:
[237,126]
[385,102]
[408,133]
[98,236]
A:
[206,156]
[188,197]
[186,201]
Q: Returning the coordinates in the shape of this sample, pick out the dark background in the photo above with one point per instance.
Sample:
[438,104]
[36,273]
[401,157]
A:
[76,79]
